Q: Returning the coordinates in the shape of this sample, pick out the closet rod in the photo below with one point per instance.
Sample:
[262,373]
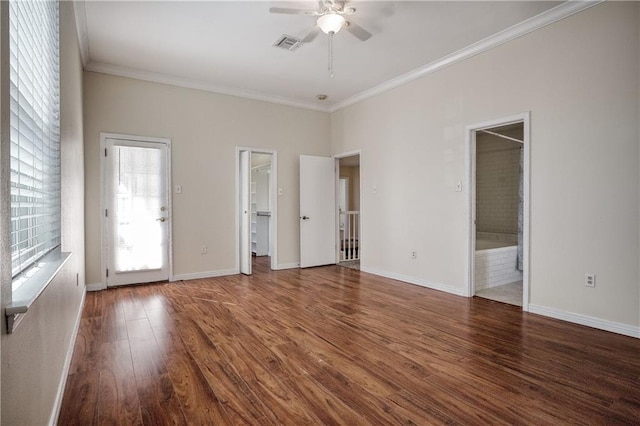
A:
[502,136]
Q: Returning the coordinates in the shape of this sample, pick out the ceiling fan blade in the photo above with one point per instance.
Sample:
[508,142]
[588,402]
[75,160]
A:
[293,11]
[358,31]
[312,35]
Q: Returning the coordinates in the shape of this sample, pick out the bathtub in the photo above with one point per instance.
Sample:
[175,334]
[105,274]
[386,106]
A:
[495,263]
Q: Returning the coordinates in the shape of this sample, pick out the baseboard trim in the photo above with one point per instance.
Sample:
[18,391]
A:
[614,327]
[67,365]
[205,274]
[292,265]
[95,287]
[413,280]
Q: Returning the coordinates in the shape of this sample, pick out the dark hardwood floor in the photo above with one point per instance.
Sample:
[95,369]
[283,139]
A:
[333,345]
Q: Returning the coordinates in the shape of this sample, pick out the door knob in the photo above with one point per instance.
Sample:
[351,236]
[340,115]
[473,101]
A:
[305,218]
[161,219]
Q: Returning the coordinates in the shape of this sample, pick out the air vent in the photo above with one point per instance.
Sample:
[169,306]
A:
[287,42]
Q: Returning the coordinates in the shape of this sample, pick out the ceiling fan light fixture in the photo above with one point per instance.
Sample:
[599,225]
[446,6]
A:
[331,23]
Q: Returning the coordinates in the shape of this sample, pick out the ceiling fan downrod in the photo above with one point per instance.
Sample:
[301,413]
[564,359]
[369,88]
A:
[331,52]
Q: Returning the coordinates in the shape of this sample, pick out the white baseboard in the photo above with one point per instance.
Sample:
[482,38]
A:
[67,365]
[614,327]
[414,280]
[292,265]
[206,274]
[95,287]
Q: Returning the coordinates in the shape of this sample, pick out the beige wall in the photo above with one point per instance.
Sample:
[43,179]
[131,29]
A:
[579,78]
[205,129]
[33,357]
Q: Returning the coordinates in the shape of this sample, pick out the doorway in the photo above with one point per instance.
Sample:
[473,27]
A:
[256,208]
[498,179]
[348,232]
[136,209]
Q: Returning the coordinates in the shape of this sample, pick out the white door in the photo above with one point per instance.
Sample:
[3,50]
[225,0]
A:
[245,212]
[137,213]
[317,211]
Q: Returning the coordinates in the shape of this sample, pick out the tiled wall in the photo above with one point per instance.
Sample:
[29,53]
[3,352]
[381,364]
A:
[497,181]
[496,267]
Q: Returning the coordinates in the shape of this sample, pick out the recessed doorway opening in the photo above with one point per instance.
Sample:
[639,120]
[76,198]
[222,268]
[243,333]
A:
[498,172]
[348,233]
[256,208]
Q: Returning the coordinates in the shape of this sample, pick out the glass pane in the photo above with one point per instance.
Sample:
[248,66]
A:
[137,191]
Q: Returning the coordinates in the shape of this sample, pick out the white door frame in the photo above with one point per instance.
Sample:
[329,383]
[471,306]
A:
[103,202]
[246,214]
[470,144]
[337,158]
[273,195]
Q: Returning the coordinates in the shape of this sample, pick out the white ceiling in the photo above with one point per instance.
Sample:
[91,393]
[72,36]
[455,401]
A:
[226,46]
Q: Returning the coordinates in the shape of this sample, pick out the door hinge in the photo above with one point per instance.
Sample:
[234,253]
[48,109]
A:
[106,212]
[107,272]
[105,152]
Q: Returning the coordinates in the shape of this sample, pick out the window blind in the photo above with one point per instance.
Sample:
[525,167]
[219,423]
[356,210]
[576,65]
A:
[35,131]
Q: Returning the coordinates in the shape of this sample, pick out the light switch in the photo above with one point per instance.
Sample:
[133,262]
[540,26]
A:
[459,186]
[375,189]
[178,189]
[280,192]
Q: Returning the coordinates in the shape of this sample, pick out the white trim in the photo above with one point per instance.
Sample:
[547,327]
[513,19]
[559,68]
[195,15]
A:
[81,29]
[547,17]
[103,223]
[614,327]
[121,71]
[95,287]
[34,281]
[53,420]
[413,280]
[205,274]
[348,154]
[470,154]
[273,223]
[292,265]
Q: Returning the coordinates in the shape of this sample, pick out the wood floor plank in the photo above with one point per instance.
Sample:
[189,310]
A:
[199,402]
[86,351]
[118,398]
[147,358]
[159,404]
[333,345]
[80,401]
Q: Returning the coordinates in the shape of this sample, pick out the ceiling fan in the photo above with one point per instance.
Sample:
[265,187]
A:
[331,19]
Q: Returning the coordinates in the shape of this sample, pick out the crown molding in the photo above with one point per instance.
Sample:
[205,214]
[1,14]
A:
[81,29]
[525,27]
[121,71]
[548,17]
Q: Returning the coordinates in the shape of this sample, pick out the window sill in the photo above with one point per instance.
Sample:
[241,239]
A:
[35,280]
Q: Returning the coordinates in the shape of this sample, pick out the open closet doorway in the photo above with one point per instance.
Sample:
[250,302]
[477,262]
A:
[348,229]
[499,210]
[256,209]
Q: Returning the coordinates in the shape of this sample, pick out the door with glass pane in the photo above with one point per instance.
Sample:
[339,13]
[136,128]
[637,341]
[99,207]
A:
[137,213]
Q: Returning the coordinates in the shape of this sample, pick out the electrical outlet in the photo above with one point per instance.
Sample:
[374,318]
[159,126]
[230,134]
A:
[203,249]
[590,280]
[414,255]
